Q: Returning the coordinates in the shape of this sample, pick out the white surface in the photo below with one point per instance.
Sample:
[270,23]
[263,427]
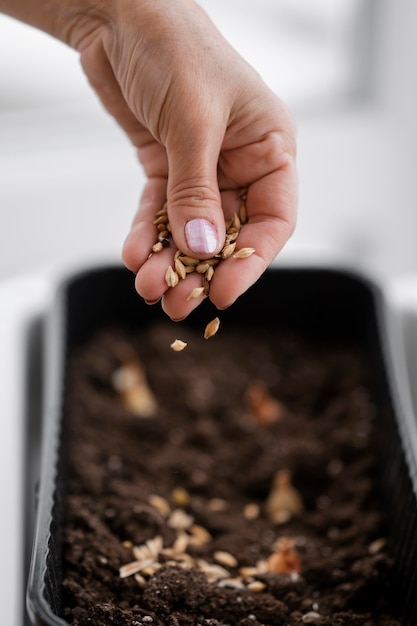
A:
[20,300]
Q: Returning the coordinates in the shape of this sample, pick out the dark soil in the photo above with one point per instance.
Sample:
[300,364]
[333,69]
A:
[208,452]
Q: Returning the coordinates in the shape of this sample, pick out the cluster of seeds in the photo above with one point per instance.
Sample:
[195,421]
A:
[184,264]
[224,569]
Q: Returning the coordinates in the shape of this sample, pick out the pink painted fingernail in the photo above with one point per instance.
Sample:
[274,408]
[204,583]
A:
[201,236]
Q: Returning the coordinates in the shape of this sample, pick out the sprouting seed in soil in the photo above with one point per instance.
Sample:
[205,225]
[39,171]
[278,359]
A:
[130,382]
[284,500]
[263,406]
[211,328]
[286,559]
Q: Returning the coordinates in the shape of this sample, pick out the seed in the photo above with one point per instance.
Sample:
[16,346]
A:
[243,253]
[251,511]
[248,572]
[377,545]
[284,500]
[195,293]
[130,382]
[233,583]
[157,247]
[140,579]
[228,250]
[171,277]
[206,286]
[217,504]
[178,345]
[225,558]
[150,569]
[211,328]
[212,571]
[180,268]
[160,504]
[180,544]
[135,566]
[189,260]
[141,552]
[155,545]
[311,617]
[209,273]
[180,520]
[256,585]
[160,219]
[199,535]
[286,559]
[180,496]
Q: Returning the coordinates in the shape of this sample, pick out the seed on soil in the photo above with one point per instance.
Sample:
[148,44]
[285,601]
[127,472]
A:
[211,328]
[135,566]
[217,504]
[312,617]
[178,345]
[377,545]
[160,504]
[256,586]
[180,496]
[251,511]
[180,520]
[225,558]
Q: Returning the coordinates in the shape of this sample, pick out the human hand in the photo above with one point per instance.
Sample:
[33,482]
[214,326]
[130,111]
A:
[205,126]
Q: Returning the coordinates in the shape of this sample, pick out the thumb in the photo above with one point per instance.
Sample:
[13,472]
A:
[193,197]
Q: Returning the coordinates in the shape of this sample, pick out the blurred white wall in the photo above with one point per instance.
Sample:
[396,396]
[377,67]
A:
[69,180]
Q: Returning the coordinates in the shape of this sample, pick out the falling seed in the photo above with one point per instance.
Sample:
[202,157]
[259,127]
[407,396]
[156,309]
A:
[178,345]
[211,328]
[243,253]
[195,293]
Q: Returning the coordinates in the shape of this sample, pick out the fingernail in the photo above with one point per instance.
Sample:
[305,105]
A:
[201,236]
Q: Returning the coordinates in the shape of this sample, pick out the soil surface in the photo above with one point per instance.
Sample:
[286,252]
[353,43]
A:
[169,514]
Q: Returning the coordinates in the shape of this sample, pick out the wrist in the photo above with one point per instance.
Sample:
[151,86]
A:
[67,20]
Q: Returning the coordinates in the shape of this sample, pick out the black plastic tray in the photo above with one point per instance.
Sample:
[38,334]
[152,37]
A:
[324,302]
